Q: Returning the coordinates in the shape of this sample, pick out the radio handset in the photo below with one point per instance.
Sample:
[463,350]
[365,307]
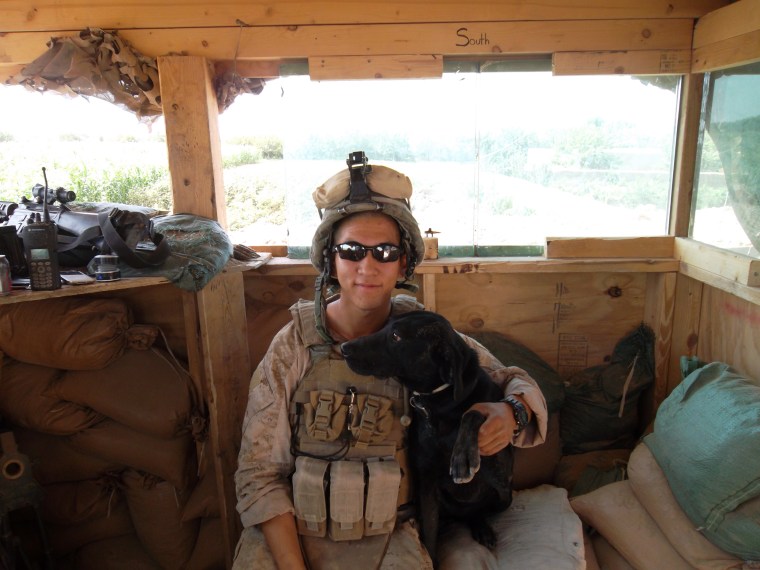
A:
[40,237]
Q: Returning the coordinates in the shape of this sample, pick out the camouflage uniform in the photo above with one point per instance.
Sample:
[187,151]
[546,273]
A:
[265,463]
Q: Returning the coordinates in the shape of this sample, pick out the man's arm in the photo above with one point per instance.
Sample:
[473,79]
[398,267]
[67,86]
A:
[282,539]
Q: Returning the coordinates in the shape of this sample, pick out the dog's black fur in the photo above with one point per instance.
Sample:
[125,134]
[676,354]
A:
[423,351]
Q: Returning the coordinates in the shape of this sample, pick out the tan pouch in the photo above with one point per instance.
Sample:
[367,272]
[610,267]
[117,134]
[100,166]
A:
[325,415]
[346,500]
[309,496]
[374,422]
[384,480]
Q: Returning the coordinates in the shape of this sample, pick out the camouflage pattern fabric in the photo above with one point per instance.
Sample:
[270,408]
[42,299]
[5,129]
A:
[99,63]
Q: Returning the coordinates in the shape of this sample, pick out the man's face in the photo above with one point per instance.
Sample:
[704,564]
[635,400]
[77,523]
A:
[368,283]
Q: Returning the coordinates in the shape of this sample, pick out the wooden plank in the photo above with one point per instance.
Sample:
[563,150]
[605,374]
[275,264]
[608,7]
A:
[227,369]
[730,332]
[742,269]
[751,294]
[28,15]
[569,248]
[643,62]
[685,339]
[192,135]
[571,320]
[731,52]
[375,67]
[18,296]
[690,110]
[8,71]
[265,69]
[730,21]
[284,266]
[659,314]
[464,38]
[428,292]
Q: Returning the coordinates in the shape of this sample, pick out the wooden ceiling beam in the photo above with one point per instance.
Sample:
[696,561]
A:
[54,15]
[447,39]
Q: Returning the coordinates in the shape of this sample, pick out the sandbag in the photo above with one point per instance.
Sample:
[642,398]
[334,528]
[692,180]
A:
[536,465]
[204,499]
[156,510]
[706,440]
[24,400]
[209,552]
[119,553]
[571,468]
[71,333]
[75,502]
[145,390]
[649,484]
[169,459]
[601,402]
[68,538]
[55,460]
[617,515]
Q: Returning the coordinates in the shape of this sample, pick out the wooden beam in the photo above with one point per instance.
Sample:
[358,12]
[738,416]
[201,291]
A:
[622,62]
[739,50]
[192,135]
[690,110]
[742,269]
[223,337]
[575,248]
[464,38]
[375,67]
[731,21]
[727,37]
[659,314]
[685,338]
[51,15]
[264,69]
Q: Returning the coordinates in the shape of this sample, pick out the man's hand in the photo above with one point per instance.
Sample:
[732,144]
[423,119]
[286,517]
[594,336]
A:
[497,431]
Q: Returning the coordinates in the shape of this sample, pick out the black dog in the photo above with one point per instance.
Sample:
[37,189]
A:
[423,351]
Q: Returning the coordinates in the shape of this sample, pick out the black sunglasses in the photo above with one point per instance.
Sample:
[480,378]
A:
[352,251]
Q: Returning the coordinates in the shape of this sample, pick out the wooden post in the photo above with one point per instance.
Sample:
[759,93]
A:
[192,135]
[215,320]
[686,152]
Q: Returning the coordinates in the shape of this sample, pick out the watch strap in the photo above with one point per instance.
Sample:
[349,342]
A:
[520,413]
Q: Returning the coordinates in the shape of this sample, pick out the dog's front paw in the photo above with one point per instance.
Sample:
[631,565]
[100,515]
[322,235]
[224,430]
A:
[465,463]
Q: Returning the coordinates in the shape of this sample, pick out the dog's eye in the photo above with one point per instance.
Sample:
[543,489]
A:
[395,337]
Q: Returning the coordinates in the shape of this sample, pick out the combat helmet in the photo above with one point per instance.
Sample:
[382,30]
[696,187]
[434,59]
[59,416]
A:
[362,188]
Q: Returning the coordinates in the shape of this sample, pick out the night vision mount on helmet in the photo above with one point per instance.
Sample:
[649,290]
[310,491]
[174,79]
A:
[362,188]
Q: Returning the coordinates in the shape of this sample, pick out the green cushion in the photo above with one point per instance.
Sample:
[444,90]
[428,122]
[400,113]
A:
[707,440]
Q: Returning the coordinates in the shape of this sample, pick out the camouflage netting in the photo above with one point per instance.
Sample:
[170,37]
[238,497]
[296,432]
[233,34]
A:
[98,63]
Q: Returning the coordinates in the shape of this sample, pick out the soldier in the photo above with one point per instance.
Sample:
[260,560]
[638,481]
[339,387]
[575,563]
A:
[310,420]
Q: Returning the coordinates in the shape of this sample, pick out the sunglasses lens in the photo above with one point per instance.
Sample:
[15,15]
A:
[351,251]
[384,253]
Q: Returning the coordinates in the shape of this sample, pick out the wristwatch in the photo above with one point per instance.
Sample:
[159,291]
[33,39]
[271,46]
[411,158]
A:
[521,414]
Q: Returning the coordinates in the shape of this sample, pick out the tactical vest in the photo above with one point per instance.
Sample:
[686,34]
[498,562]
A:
[348,439]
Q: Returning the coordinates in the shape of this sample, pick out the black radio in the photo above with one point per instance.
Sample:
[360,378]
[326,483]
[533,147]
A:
[40,238]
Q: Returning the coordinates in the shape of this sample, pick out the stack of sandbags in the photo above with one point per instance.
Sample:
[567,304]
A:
[692,499]
[107,422]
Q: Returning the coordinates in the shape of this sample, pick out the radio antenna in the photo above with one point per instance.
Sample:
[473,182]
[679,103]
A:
[45,212]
